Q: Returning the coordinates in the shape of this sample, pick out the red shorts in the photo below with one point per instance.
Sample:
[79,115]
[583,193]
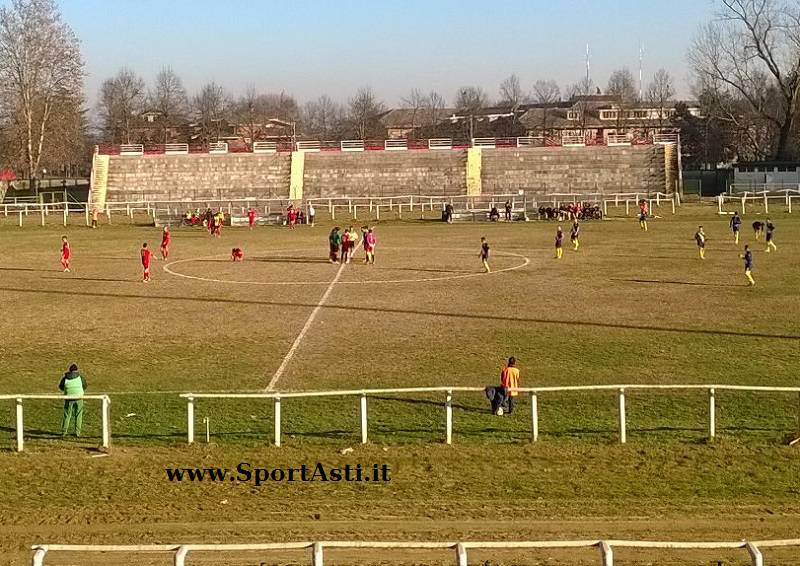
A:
[369,249]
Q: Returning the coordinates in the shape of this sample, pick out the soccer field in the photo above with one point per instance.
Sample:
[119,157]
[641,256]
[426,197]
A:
[629,307]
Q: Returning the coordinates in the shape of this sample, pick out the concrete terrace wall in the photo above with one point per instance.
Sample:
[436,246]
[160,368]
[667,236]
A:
[574,169]
[187,177]
[385,173]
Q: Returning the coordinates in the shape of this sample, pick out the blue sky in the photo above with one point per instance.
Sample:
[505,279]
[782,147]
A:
[314,46]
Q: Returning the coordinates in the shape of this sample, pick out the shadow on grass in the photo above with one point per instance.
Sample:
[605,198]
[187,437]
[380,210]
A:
[353,308]
[432,403]
[102,279]
[667,282]
[28,269]
[422,269]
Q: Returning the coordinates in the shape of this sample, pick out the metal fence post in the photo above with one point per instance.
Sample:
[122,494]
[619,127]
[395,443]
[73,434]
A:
[180,556]
[317,558]
[277,413]
[755,554]
[190,419]
[38,556]
[712,416]
[106,413]
[448,407]
[461,555]
[363,419]
[607,553]
[534,417]
[622,432]
[20,440]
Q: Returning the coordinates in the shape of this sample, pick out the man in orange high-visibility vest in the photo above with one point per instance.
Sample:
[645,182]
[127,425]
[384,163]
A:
[509,379]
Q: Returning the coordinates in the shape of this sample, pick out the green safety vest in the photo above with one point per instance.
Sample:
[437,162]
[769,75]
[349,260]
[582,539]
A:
[73,386]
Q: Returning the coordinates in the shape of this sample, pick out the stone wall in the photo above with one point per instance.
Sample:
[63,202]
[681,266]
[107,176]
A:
[198,177]
[574,169]
[385,173]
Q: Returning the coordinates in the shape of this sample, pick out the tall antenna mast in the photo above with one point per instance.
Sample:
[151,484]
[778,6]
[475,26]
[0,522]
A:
[641,56]
[587,68]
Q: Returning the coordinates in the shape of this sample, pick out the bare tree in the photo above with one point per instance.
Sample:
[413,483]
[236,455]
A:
[434,110]
[511,93]
[41,71]
[622,84]
[120,102]
[323,118]
[659,94]
[363,113]
[469,101]
[211,106]
[169,99]
[414,101]
[545,92]
[751,55]
[577,93]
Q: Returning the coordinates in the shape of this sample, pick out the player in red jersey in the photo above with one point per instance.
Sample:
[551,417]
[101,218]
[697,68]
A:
[66,253]
[237,254]
[291,214]
[251,217]
[166,240]
[147,255]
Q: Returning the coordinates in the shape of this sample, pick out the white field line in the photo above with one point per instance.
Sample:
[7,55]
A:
[290,354]
[525,262]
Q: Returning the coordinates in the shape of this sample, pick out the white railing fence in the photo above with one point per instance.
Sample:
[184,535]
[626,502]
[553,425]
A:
[763,198]
[363,394]
[131,149]
[105,414]
[180,552]
[265,147]
[525,200]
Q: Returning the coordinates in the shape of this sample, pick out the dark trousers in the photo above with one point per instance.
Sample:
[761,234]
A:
[510,401]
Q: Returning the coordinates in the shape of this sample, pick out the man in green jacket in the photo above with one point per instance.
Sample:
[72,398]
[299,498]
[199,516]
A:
[72,384]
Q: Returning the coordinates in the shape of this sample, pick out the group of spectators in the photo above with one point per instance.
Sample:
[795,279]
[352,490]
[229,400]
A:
[572,211]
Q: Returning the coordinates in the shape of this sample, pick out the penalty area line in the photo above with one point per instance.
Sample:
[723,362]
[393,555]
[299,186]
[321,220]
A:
[290,354]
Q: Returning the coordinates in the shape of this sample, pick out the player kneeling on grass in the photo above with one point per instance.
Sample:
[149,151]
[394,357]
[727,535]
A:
[147,256]
[700,238]
[748,265]
[237,254]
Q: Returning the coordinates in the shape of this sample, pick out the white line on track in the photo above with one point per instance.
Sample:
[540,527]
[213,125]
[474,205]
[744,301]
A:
[290,354]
